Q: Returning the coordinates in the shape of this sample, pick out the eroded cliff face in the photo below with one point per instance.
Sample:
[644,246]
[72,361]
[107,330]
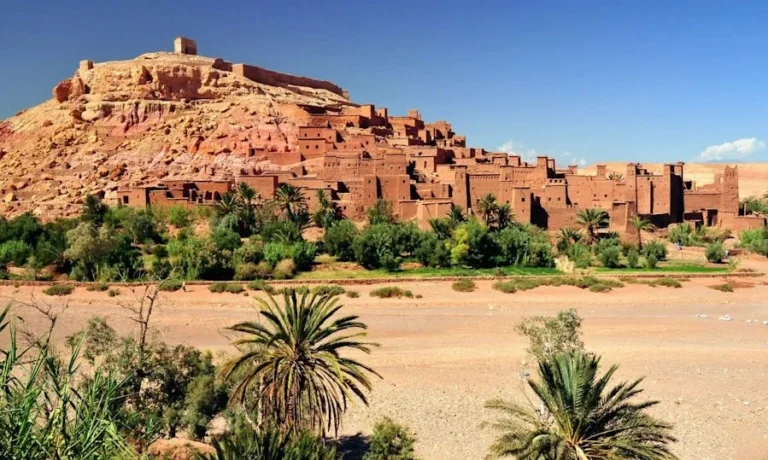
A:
[158,116]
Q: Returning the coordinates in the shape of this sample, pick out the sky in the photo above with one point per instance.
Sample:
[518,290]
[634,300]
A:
[583,81]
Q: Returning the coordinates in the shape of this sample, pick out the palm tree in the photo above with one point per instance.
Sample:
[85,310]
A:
[618,177]
[327,211]
[504,216]
[488,208]
[228,204]
[566,237]
[290,199]
[456,214]
[641,224]
[246,194]
[294,363]
[580,417]
[592,219]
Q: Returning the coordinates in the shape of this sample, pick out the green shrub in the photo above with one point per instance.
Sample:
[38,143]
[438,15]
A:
[651,261]
[302,254]
[328,289]
[14,251]
[339,238]
[246,271]
[391,291]
[391,441]
[263,270]
[526,284]
[655,248]
[179,216]
[465,285]
[666,282]
[755,240]
[285,269]
[633,258]
[715,252]
[98,287]
[605,285]
[59,290]
[725,287]
[353,294]
[233,288]
[169,285]
[580,255]
[376,246]
[609,256]
[507,287]
[261,285]
[113,292]
[381,213]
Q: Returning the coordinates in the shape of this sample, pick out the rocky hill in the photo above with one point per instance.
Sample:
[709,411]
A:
[160,115]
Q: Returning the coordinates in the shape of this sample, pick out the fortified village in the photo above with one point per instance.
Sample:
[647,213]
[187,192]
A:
[359,153]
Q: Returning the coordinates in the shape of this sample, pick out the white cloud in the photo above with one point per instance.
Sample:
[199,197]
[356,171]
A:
[529,154]
[734,150]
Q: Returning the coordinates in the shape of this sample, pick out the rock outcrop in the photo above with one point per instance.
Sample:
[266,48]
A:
[161,115]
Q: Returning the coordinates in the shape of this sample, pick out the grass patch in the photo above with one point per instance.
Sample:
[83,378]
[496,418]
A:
[233,288]
[170,286]
[59,290]
[261,285]
[725,287]
[584,282]
[389,292]
[328,289]
[113,292]
[464,286]
[326,271]
[353,294]
[98,287]
[668,267]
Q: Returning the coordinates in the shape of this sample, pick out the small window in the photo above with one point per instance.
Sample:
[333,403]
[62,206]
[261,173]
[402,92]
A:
[523,200]
[125,200]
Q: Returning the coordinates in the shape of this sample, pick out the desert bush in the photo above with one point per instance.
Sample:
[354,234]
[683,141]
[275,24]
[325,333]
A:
[113,292]
[507,287]
[375,247]
[263,270]
[666,282]
[565,265]
[353,294]
[715,252]
[248,253]
[14,251]
[232,288]
[609,256]
[381,213]
[169,285]
[526,284]
[633,258]
[59,290]
[725,287]
[465,285]
[390,441]
[651,261]
[580,255]
[433,251]
[246,271]
[97,287]
[339,239]
[179,216]
[285,269]
[302,253]
[655,248]
[261,285]
[755,240]
[549,336]
[685,234]
[328,289]
[391,291]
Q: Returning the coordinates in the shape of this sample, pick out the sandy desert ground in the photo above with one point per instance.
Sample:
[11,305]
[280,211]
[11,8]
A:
[443,355]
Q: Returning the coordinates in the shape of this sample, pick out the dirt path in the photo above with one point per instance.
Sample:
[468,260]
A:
[443,355]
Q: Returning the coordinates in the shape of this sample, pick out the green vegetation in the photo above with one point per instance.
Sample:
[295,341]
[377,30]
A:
[391,441]
[233,288]
[353,294]
[689,235]
[666,282]
[507,287]
[270,444]
[59,290]
[715,252]
[389,292]
[584,282]
[464,286]
[580,416]
[755,240]
[113,292]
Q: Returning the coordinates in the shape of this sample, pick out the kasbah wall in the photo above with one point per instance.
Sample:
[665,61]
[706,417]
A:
[358,154]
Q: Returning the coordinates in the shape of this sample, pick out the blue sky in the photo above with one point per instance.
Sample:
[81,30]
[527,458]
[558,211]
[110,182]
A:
[584,81]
